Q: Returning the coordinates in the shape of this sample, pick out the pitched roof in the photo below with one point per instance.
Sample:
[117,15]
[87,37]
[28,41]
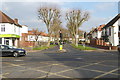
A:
[112,21]
[6,19]
[31,32]
[100,27]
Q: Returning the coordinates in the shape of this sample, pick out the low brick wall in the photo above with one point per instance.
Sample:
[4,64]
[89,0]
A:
[27,44]
[101,44]
[101,47]
[114,47]
[31,43]
[104,47]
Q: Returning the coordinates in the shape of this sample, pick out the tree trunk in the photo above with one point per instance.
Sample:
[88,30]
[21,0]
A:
[76,37]
[73,40]
[35,43]
[57,39]
[48,44]
[76,41]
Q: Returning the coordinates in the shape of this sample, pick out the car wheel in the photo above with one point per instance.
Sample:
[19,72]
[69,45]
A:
[24,54]
[118,50]
[15,54]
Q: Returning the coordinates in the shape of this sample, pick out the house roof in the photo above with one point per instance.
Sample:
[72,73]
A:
[37,33]
[96,29]
[6,19]
[100,27]
[89,33]
[112,21]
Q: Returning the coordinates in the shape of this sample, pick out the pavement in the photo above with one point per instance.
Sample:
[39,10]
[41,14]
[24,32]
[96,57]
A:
[53,65]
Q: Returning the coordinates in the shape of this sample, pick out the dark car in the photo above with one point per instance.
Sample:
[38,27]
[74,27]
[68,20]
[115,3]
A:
[11,51]
[119,48]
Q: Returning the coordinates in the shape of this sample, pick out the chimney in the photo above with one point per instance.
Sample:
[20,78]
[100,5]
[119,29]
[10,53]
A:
[16,21]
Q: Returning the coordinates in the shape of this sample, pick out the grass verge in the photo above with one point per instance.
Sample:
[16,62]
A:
[82,47]
[43,47]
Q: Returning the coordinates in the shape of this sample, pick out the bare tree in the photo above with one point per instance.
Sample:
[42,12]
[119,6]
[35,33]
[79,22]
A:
[56,27]
[65,33]
[36,34]
[48,15]
[75,18]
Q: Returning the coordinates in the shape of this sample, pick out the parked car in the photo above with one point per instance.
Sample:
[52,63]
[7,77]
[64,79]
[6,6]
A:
[51,43]
[6,50]
[56,43]
[119,48]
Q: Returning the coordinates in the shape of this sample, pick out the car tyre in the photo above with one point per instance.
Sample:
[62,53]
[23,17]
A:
[15,54]
[25,54]
[119,50]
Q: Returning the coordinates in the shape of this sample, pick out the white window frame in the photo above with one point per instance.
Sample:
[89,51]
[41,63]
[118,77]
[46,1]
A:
[2,28]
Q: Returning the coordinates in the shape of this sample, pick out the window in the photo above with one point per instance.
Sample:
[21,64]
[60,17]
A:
[119,27]
[109,31]
[102,33]
[4,47]
[31,36]
[2,28]
[0,40]
[106,32]
[119,40]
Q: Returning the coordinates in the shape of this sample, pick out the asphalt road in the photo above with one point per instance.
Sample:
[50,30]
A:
[51,64]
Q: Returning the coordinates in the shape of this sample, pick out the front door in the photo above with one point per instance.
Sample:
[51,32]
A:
[6,42]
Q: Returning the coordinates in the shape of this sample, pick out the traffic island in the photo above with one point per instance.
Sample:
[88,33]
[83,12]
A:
[63,50]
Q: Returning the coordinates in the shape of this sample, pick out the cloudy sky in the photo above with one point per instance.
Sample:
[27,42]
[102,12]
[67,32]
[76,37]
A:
[26,12]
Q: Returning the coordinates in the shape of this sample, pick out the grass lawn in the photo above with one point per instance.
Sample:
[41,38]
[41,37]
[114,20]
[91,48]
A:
[82,47]
[43,47]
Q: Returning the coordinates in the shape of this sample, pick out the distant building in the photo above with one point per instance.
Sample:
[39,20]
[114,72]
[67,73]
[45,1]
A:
[42,37]
[29,39]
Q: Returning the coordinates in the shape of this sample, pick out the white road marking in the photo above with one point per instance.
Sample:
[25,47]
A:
[18,60]
[78,58]
[106,73]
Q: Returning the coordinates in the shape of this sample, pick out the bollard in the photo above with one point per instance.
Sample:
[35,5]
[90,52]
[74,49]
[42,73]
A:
[61,47]
[110,48]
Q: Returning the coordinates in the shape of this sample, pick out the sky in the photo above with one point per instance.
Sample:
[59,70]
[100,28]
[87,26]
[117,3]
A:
[26,12]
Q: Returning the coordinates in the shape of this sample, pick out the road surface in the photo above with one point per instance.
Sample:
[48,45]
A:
[51,64]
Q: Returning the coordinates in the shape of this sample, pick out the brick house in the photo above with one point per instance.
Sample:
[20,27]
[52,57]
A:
[95,36]
[29,39]
[110,33]
[106,36]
